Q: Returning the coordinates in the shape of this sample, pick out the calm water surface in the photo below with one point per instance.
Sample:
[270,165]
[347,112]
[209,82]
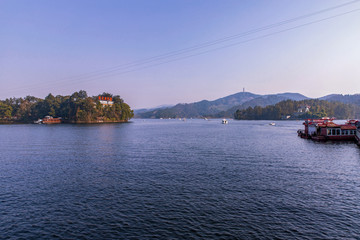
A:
[170,179]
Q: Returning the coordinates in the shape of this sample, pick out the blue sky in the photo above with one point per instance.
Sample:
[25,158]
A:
[64,46]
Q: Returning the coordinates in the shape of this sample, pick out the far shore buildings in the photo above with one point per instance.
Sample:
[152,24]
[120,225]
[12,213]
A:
[301,110]
[304,109]
[106,101]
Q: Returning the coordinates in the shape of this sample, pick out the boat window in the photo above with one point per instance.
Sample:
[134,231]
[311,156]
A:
[338,132]
[329,132]
[333,132]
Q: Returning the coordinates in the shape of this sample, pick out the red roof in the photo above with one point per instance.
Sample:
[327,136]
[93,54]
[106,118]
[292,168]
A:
[348,127]
[333,125]
[328,124]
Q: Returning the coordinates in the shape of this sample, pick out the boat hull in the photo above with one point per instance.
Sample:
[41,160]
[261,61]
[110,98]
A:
[342,138]
[51,121]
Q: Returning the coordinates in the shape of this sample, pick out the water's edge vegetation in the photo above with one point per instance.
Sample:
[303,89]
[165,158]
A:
[289,109]
[75,108]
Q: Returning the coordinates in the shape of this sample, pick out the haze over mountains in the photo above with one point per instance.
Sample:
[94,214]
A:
[227,106]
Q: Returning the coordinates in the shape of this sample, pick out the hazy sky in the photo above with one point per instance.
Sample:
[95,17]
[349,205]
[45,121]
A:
[114,46]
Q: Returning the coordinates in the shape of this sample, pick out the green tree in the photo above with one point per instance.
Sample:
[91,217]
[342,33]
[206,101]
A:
[5,110]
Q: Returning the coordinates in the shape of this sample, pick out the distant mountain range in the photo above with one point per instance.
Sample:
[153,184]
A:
[352,99]
[227,106]
[142,110]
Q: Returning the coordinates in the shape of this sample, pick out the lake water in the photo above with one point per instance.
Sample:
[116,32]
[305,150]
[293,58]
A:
[171,179]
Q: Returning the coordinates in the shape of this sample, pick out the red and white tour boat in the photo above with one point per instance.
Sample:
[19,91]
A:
[325,129]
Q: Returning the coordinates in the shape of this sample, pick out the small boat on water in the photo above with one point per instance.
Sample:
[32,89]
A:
[272,124]
[39,121]
[325,129]
[224,121]
[51,120]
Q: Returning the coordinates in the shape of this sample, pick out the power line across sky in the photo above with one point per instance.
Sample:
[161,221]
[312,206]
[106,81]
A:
[192,51]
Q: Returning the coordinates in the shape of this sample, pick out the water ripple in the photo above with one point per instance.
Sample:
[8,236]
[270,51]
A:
[176,180]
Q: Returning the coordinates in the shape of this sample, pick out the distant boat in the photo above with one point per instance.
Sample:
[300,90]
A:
[224,121]
[51,120]
[48,120]
[272,124]
[39,121]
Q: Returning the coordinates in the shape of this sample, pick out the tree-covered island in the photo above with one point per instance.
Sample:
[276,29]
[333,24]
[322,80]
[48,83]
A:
[75,108]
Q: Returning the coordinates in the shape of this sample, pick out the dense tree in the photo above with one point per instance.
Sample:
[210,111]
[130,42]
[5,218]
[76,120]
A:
[5,111]
[318,109]
[78,107]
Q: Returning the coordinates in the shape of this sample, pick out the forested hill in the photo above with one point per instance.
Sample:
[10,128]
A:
[262,101]
[353,99]
[290,109]
[221,107]
[201,108]
[76,108]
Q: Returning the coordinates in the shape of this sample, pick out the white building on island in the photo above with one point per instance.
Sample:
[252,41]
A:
[106,101]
